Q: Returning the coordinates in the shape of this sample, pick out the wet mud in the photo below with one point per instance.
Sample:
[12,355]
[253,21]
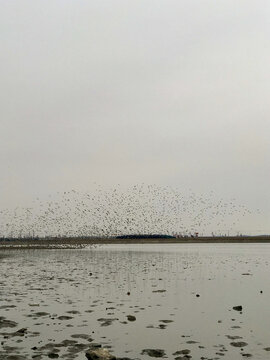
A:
[135,302]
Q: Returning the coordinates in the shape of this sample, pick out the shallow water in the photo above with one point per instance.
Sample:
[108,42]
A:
[182,297]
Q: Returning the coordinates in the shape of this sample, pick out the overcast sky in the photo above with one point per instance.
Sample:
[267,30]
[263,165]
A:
[167,92]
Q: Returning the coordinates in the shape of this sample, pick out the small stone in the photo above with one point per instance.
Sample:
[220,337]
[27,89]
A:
[53,356]
[95,345]
[166,321]
[20,332]
[180,352]
[99,354]
[238,344]
[64,317]
[234,337]
[153,352]
[131,318]
[238,308]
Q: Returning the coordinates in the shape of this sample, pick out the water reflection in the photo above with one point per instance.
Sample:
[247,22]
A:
[138,297]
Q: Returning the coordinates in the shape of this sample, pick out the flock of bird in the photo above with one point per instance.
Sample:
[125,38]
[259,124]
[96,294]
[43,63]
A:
[140,209]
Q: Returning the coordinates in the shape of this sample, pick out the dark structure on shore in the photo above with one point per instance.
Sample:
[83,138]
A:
[145,236]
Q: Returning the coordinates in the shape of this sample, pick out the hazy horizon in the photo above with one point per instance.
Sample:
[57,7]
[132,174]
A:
[168,93]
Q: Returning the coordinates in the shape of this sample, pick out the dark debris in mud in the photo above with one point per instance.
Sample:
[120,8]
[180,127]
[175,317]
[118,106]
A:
[90,326]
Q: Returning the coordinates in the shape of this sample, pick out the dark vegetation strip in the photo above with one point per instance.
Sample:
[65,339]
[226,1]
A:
[83,241]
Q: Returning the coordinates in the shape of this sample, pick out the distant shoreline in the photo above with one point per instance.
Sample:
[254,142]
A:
[56,243]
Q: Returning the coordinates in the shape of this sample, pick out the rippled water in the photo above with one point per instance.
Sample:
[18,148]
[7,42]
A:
[181,296]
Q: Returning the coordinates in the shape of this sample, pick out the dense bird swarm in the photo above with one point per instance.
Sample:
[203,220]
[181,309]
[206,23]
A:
[140,209]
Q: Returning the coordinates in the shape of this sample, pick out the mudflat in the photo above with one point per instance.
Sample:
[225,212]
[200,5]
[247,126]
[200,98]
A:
[78,242]
[139,301]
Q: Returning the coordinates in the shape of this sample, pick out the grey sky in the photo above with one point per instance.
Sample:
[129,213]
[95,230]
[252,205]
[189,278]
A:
[165,92]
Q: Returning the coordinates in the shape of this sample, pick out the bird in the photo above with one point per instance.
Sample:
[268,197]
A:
[137,209]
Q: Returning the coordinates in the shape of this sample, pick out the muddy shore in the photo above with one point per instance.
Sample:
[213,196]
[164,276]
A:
[135,302]
[82,242]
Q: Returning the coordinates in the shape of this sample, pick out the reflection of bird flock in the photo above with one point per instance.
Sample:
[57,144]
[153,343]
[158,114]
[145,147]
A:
[141,209]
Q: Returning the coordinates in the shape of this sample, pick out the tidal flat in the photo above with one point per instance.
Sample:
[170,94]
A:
[140,301]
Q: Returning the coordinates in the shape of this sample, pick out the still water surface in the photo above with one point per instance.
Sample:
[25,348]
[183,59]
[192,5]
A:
[182,298]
